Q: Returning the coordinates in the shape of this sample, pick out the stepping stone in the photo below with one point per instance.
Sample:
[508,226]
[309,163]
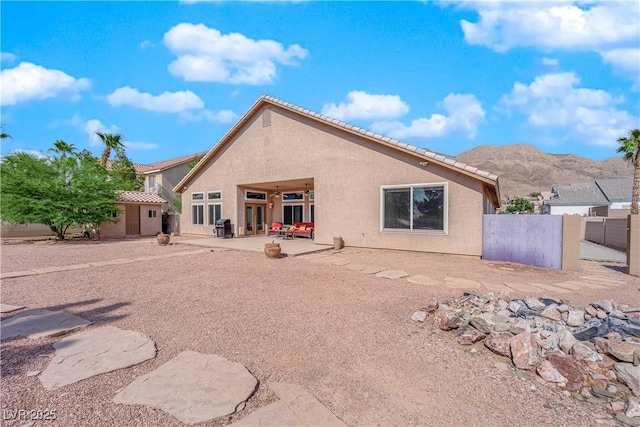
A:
[372,270]
[550,288]
[423,280]
[297,407]
[193,387]
[37,323]
[392,274]
[95,352]
[496,287]
[456,283]
[588,285]
[8,308]
[523,287]
[567,285]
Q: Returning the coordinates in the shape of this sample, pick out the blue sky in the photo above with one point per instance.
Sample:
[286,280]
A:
[173,77]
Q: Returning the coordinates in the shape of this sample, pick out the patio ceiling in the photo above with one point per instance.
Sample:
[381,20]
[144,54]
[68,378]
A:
[288,185]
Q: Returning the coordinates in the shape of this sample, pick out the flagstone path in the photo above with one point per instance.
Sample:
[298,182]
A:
[39,322]
[585,282]
[93,352]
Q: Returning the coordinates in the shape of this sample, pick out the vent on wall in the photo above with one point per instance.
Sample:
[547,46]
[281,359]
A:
[266,118]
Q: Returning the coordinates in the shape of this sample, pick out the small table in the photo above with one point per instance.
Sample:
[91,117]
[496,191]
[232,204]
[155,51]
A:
[285,234]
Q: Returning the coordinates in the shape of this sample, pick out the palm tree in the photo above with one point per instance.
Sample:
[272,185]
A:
[630,149]
[63,148]
[4,135]
[111,142]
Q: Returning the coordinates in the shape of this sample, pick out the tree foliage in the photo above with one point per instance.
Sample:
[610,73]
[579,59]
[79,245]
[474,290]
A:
[630,149]
[111,142]
[124,173]
[69,189]
[520,205]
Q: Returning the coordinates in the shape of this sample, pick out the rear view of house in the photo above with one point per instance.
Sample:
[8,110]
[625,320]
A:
[283,163]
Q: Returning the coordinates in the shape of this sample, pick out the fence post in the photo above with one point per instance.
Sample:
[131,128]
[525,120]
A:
[571,242]
[633,245]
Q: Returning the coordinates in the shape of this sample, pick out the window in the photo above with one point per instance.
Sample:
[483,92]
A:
[214,195]
[255,195]
[312,195]
[214,213]
[114,214]
[197,196]
[418,207]
[289,197]
[312,213]
[153,213]
[197,214]
[292,213]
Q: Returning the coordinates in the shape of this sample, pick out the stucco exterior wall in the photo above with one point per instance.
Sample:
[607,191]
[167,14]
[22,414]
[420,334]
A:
[610,232]
[25,230]
[148,226]
[347,173]
[116,229]
[168,179]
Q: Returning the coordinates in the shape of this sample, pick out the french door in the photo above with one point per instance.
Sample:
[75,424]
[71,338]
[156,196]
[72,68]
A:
[254,218]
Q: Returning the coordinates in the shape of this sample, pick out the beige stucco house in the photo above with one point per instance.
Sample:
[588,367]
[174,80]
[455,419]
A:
[141,215]
[283,163]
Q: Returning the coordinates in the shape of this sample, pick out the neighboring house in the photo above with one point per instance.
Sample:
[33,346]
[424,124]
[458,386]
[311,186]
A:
[579,198]
[282,163]
[141,216]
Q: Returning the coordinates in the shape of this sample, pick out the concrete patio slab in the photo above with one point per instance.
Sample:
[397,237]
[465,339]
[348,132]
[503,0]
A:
[61,268]
[13,274]
[8,308]
[306,407]
[392,274]
[372,269]
[193,387]
[457,283]
[95,352]
[293,247]
[423,280]
[38,322]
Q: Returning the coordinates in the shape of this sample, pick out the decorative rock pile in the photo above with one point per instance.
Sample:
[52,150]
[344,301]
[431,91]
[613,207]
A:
[591,354]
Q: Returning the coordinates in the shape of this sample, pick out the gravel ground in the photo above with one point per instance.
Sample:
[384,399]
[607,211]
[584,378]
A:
[344,336]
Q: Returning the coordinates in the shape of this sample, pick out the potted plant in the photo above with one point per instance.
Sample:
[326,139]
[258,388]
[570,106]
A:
[163,239]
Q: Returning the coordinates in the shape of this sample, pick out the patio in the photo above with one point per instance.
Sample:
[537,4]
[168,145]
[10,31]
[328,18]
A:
[290,247]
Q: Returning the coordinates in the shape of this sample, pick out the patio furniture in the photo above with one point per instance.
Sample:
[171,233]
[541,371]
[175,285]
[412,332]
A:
[303,229]
[275,228]
[285,233]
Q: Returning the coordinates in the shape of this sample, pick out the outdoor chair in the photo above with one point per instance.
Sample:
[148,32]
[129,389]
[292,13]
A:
[275,228]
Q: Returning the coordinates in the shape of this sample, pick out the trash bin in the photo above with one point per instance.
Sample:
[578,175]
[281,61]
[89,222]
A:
[337,243]
[223,229]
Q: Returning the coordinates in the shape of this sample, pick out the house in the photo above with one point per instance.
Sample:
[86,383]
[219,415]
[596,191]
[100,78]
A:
[141,215]
[283,163]
[579,198]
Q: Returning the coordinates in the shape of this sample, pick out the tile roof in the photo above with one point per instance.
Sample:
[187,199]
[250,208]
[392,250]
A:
[139,167]
[600,192]
[163,164]
[139,197]
[484,176]
[616,189]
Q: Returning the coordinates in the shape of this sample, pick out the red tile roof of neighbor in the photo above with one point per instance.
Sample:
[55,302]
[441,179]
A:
[163,164]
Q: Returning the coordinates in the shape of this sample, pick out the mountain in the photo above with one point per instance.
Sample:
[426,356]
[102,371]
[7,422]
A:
[524,169]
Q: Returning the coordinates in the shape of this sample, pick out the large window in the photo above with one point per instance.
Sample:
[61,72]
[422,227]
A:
[214,213]
[292,213]
[197,214]
[418,207]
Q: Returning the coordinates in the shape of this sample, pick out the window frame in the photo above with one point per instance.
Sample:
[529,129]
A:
[297,193]
[209,223]
[153,213]
[253,199]
[213,192]
[196,193]
[292,206]
[193,222]
[410,187]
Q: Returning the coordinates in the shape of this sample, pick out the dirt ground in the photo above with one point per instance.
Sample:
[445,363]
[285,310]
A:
[344,336]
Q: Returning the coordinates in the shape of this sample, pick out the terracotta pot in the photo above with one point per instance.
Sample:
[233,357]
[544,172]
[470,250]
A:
[272,250]
[163,239]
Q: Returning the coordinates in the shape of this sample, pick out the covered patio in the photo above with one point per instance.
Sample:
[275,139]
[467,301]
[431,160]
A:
[290,247]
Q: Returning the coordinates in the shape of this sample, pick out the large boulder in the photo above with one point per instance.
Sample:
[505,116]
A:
[447,320]
[524,351]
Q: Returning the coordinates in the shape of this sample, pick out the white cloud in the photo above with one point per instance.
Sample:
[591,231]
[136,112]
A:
[554,101]
[464,114]
[363,105]
[145,44]
[90,127]
[550,62]
[206,55]
[222,116]
[557,25]
[140,145]
[624,59]
[6,57]
[28,82]
[166,102]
